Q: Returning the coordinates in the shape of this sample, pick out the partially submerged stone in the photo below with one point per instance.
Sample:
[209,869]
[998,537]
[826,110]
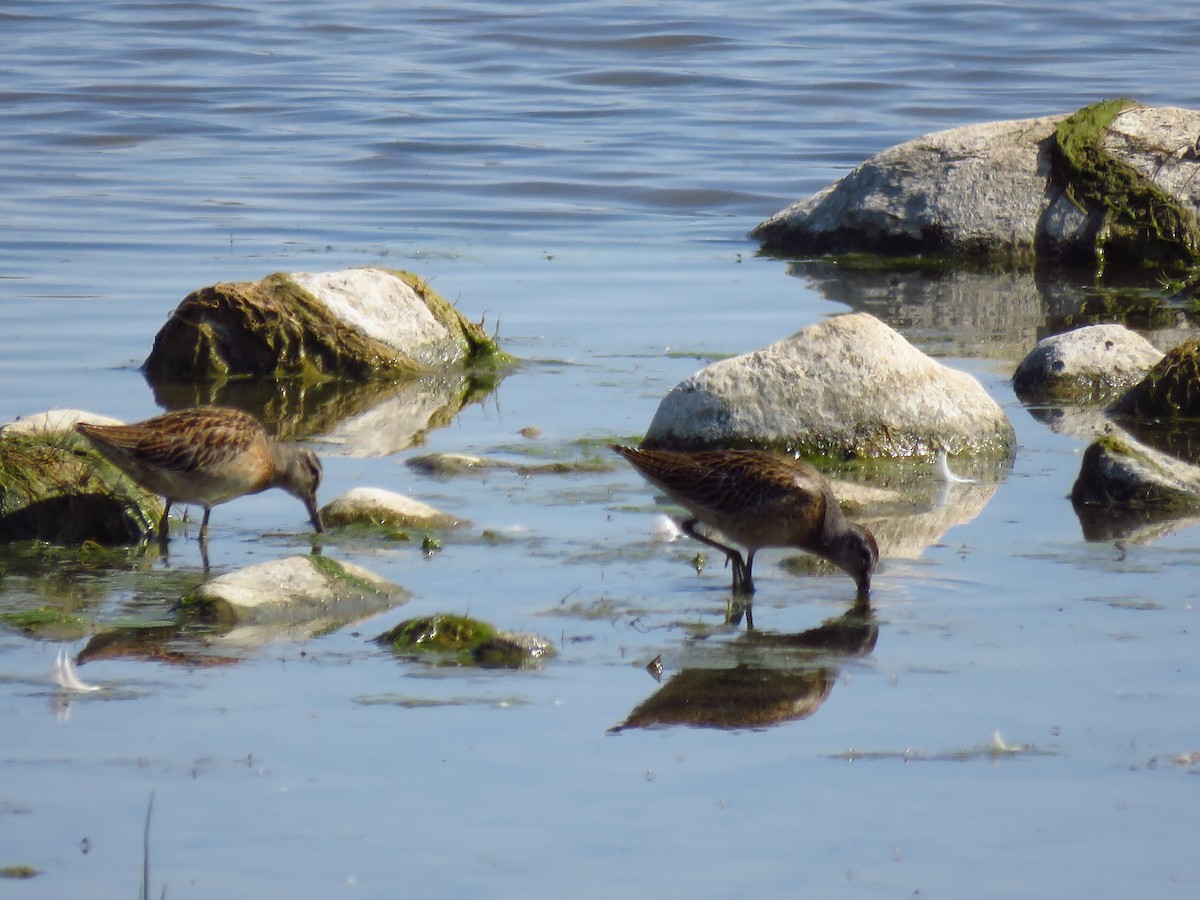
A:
[383,508]
[296,594]
[54,421]
[1114,180]
[55,487]
[450,639]
[1120,473]
[846,387]
[355,324]
[1088,365]
[1170,390]
[447,464]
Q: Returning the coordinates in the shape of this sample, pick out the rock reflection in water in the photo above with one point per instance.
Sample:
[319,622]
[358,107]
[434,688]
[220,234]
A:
[761,678]
[371,418]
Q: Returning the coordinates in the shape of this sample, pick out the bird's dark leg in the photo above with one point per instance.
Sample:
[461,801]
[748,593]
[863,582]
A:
[747,581]
[741,574]
[163,524]
[204,527]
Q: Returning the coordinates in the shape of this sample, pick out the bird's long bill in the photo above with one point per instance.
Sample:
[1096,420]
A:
[314,515]
[864,590]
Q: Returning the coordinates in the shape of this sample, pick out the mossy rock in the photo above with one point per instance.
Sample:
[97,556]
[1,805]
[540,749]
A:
[1133,219]
[1118,473]
[387,511]
[46,624]
[359,324]
[1170,390]
[55,487]
[450,639]
[18,872]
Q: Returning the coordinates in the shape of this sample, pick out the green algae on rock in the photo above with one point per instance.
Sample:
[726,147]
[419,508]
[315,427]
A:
[1170,390]
[1119,473]
[1131,218]
[355,324]
[450,639]
[1112,184]
[55,487]
[46,624]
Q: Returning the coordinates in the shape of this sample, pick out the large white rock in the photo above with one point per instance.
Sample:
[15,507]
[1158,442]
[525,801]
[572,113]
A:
[849,386]
[353,324]
[982,189]
[1087,365]
[387,308]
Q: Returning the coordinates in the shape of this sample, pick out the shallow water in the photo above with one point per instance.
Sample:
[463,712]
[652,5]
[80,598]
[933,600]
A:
[583,175]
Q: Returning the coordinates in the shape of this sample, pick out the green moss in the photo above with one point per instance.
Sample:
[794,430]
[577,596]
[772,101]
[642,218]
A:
[454,640]
[55,487]
[1135,220]
[284,332]
[18,872]
[46,623]
[1170,390]
[335,571]
[439,633]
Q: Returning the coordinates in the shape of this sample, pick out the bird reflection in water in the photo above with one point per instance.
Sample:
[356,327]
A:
[761,678]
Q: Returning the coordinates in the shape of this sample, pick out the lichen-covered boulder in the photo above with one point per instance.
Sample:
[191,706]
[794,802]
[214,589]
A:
[1114,181]
[296,594]
[382,508]
[351,324]
[1088,365]
[1170,390]
[847,387]
[1120,473]
[55,487]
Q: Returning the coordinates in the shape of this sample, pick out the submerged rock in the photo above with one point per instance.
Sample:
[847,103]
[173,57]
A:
[55,487]
[1170,390]
[1114,180]
[297,594]
[1088,365]
[1120,473]
[355,324]
[379,507]
[449,639]
[848,387]
[448,464]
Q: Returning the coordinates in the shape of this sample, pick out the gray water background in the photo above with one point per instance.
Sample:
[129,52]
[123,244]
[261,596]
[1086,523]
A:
[583,175]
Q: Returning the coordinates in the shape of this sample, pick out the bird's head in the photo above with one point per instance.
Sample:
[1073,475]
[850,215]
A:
[299,473]
[856,553]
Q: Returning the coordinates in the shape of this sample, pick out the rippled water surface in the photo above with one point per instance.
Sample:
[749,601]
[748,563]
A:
[581,176]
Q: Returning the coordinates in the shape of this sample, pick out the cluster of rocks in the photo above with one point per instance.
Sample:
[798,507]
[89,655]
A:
[1111,186]
[1109,384]
[368,358]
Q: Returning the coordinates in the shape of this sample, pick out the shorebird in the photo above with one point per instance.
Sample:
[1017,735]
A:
[757,500]
[207,455]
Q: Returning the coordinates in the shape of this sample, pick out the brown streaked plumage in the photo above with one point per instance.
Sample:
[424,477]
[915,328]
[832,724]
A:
[757,500]
[207,455]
